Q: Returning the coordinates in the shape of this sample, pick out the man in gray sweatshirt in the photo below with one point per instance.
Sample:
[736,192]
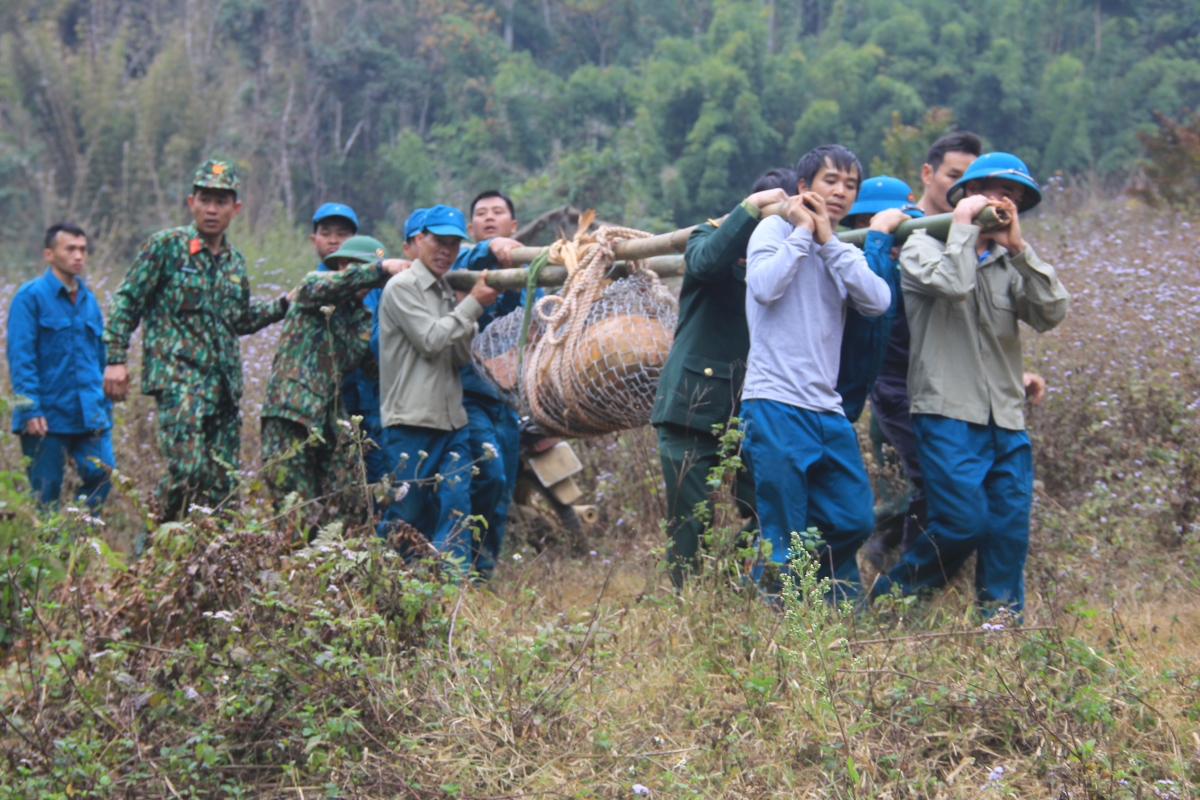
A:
[802,450]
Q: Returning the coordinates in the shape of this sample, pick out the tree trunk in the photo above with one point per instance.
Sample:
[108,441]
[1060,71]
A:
[771,26]
[508,24]
[285,169]
[1099,23]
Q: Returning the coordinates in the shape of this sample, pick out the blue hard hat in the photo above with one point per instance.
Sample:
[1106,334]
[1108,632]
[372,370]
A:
[445,221]
[998,165]
[881,193]
[336,210]
[412,225]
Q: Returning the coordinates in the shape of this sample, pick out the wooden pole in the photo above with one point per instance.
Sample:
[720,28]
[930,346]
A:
[554,275]
[664,251]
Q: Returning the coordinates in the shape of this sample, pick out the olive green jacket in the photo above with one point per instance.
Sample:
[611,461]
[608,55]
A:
[965,360]
[703,376]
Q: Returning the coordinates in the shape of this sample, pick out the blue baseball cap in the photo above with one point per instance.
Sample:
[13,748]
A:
[445,221]
[998,165]
[412,225]
[336,210]
[881,193]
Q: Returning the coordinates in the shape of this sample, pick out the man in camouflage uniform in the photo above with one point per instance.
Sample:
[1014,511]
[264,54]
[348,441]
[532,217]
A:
[189,286]
[325,336]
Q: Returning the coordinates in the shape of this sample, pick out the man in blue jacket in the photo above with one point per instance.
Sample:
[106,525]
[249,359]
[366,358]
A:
[494,428]
[56,363]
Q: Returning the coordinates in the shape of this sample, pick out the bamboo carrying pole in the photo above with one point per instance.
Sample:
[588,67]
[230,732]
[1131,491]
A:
[664,251]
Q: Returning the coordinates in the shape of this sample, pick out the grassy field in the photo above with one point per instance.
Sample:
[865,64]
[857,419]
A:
[229,663]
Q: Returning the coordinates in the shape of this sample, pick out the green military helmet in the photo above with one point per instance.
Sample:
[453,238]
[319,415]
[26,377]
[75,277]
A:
[217,174]
[363,249]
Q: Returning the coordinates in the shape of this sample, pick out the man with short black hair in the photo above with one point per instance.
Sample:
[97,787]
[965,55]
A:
[56,364]
[494,428]
[333,224]
[800,279]
[702,377]
[945,162]
[189,286]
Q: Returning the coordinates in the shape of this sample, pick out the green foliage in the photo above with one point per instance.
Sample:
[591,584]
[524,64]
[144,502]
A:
[655,113]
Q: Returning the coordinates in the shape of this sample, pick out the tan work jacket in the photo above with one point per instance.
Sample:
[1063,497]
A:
[423,339]
[965,360]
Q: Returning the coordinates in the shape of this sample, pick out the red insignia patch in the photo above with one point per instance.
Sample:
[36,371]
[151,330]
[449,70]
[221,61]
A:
[195,245]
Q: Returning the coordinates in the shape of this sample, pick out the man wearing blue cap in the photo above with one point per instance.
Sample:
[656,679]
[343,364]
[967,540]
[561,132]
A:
[964,299]
[424,337]
[360,391]
[412,226]
[946,160]
[883,203]
[333,223]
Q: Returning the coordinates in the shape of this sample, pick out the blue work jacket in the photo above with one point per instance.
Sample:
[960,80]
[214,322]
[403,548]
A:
[479,257]
[865,339]
[56,357]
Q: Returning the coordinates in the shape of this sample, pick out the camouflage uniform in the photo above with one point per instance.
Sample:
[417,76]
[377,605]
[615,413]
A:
[194,305]
[325,336]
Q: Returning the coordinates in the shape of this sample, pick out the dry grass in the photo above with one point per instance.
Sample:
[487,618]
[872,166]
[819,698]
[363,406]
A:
[583,677]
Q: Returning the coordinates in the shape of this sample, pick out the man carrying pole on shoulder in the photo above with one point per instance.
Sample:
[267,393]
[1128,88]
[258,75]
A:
[946,161]
[703,374]
[360,391]
[424,337]
[324,338]
[964,299]
[800,279]
[189,287]
[494,429]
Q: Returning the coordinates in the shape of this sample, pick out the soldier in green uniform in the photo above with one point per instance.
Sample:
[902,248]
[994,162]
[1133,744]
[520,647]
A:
[189,288]
[325,336]
[703,375]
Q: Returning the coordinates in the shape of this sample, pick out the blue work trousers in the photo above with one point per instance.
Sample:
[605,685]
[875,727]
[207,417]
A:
[47,459]
[492,422]
[890,406]
[808,472]
[437,507]
[979,484]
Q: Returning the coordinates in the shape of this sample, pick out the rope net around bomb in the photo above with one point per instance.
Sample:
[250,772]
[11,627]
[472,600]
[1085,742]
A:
[593,352]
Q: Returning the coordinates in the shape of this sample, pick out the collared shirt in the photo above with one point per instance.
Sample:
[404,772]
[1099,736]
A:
[796,299]
[193,305]
[423,339]
[56,357]
[965,360]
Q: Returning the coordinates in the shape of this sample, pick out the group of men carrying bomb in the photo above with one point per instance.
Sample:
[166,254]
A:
[807,328]
[782,327]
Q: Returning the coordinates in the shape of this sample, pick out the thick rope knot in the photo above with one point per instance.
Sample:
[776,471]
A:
[589,363]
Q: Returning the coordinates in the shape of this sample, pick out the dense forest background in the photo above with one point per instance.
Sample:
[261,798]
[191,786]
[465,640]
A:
[655,112]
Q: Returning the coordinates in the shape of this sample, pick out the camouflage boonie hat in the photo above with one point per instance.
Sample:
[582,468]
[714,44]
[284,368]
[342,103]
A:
[217,174]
